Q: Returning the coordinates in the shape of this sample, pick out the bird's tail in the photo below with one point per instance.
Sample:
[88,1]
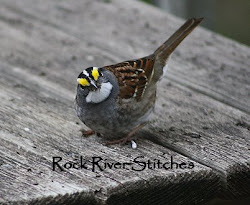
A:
[164,51]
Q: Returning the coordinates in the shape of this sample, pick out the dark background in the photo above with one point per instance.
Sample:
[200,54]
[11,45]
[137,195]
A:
[230,18]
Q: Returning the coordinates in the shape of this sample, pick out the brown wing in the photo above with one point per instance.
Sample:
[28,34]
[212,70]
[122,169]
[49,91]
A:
[133,76]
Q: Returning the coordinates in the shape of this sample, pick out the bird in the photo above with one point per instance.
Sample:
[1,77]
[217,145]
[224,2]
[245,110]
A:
[115,101]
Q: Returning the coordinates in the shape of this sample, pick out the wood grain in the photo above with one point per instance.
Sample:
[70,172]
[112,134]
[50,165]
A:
[207,131]
[202,114]
[26,154]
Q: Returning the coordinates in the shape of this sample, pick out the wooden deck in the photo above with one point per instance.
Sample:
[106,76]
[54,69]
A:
[201,117]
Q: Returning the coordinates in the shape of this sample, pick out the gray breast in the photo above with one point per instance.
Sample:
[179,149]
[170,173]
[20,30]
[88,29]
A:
[101,117]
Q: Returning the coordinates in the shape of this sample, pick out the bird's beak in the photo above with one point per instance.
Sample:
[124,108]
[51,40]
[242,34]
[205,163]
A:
[94,84]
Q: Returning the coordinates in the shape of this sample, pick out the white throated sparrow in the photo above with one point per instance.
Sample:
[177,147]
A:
[116,100]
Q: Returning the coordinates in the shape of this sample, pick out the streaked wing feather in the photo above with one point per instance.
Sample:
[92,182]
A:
[133,76]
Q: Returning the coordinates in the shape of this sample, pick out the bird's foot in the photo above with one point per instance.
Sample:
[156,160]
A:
[87,133]
[123,141]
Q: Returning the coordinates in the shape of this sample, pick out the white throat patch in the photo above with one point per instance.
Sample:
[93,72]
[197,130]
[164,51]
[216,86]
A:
[100,94]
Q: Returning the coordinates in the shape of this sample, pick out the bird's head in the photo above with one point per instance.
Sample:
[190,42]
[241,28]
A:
[93,85]
[89,78]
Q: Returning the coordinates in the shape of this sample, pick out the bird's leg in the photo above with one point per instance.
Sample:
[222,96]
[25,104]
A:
[87,132]
[128,137]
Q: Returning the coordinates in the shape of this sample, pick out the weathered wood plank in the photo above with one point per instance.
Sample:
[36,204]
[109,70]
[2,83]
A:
[26,154]
[33,42]
[209,67]
[48,113]
[207,131]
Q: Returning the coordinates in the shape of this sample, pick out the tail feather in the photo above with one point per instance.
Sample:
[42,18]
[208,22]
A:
[164,51]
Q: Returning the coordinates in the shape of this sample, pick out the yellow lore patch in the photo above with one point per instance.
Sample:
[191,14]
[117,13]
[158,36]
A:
[95,73]
[83,81]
